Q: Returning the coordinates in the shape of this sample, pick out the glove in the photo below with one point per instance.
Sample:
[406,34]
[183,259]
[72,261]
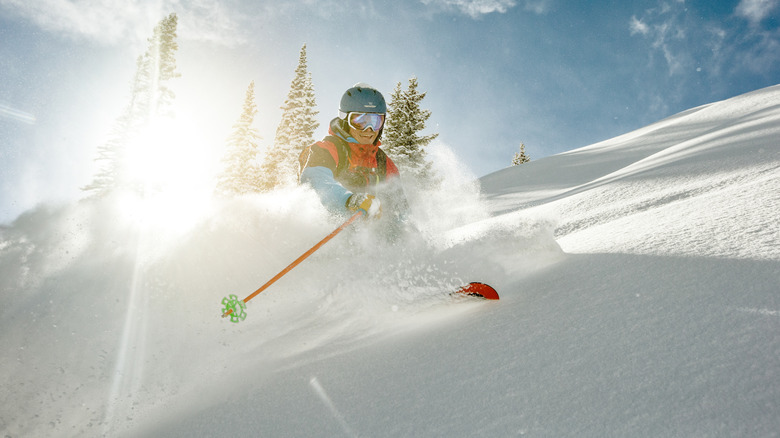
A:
[368,204]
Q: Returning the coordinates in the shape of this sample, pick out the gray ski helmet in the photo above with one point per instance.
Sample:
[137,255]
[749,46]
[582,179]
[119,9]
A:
[362,98]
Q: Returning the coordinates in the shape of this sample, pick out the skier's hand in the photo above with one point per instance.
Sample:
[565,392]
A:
[368,204]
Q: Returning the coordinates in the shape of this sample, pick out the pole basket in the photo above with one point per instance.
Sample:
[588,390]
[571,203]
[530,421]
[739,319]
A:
[233,307]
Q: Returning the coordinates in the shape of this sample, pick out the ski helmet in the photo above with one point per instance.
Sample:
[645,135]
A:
[362,98]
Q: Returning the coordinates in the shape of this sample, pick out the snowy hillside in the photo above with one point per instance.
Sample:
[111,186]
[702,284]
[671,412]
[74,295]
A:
[639,281]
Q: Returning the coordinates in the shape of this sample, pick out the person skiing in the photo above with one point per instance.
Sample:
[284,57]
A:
[347,169]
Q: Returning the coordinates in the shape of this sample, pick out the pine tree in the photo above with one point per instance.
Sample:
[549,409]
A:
[110,156]
[241,172]
[520,157]
[150,96]
[151,92]
[405,119]
[295,131]
[164,47]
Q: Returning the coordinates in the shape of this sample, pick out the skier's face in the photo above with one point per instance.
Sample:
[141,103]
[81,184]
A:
[363,137]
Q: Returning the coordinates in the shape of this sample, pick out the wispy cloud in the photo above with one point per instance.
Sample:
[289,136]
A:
[117,21]
[756,11]
[105,20]
[538,6]
[213,21]
[686,43]
[759,49]
[475,8]
[637,26]
[665,27]
[761,52]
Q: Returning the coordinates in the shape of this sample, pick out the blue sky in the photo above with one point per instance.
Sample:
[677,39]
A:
[553,74]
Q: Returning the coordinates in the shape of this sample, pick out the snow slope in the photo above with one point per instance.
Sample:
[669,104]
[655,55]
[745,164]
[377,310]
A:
[640,296]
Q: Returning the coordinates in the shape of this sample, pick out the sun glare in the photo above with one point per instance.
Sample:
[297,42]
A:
[172,170]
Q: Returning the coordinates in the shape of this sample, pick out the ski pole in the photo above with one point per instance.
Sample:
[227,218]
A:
[234,307]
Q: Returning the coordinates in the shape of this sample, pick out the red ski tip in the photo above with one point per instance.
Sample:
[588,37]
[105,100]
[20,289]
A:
[480,290]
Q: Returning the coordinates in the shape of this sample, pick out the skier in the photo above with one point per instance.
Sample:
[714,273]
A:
[348,170]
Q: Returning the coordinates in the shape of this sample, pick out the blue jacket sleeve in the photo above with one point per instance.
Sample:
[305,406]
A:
[332,194]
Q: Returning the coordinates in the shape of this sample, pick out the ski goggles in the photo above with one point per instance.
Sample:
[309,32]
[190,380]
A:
[363,121]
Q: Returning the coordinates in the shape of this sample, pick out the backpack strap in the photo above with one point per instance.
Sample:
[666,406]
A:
[381,163]
[341,148]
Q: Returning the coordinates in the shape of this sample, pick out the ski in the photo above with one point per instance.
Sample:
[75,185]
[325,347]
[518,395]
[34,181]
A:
[478,290]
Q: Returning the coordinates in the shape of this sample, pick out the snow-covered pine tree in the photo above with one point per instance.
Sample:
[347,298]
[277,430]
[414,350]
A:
[150,95]
[111,155]
[295,131]
[161,57]
[401,139]
[240,169]
[109,159]
[520,157]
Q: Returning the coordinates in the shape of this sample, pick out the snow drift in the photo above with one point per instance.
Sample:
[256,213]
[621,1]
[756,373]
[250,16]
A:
[639,281]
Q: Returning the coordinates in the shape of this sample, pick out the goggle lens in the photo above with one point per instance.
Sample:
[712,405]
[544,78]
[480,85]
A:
[363,121]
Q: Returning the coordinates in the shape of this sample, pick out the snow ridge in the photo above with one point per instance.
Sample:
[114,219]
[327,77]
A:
[639,297]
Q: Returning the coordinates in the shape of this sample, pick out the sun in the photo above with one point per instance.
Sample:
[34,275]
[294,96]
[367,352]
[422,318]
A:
[171,169]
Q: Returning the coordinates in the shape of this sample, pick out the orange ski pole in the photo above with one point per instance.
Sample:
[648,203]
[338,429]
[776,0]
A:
[234,306]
